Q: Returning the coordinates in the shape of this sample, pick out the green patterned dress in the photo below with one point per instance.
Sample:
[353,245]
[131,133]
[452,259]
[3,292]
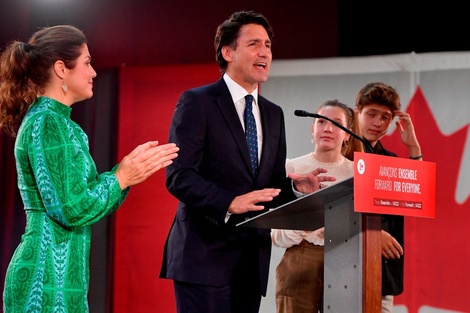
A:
[63,195]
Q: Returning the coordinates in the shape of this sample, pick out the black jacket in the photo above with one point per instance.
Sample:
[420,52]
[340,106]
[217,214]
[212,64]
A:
[392,269]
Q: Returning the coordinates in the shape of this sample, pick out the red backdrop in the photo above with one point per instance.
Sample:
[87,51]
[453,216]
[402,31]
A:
[147,99]
[436,263]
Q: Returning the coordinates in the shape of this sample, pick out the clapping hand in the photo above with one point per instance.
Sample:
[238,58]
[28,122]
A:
[143,161]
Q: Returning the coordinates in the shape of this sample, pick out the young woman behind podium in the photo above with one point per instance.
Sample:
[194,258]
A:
[299,275]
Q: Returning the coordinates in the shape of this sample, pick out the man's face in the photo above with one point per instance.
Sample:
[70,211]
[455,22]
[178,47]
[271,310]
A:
[249,63]
[374,121]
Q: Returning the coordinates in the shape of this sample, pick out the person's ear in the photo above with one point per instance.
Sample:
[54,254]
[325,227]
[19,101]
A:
[59,69]
[227,53]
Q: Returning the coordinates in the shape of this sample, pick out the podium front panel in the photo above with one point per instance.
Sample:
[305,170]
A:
[345,245]
[343,257]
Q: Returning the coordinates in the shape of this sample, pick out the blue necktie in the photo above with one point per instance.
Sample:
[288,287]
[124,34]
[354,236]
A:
[250,133]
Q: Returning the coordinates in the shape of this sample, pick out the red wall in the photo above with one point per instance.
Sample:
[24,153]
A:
[148,97]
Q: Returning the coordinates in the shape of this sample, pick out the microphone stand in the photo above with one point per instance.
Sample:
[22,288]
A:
[303,113]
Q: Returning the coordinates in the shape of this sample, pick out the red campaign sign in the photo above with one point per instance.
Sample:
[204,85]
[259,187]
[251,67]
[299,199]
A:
[391,185]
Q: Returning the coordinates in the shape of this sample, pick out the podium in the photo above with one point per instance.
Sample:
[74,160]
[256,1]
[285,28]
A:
[352,273]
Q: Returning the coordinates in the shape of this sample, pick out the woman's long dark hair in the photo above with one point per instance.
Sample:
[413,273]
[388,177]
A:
[25,69]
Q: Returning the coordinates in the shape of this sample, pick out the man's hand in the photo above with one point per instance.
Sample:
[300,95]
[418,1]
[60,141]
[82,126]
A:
[247,202]
[391,249]
[407,133]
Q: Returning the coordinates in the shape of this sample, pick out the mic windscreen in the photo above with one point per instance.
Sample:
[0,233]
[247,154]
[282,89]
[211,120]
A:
[306,114]
[300,113]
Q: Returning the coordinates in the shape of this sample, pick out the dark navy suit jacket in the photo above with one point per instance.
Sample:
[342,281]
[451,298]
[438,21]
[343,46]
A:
[212,168]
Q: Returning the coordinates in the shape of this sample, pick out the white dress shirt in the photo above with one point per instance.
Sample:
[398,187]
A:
[238,94]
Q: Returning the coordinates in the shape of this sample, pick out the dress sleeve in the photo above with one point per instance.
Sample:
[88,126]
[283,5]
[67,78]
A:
[285,238]
[71,190]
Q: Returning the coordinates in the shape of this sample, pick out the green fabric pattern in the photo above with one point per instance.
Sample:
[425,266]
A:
[63,196]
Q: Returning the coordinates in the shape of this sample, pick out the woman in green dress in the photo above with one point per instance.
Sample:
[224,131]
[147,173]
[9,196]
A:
[62,192]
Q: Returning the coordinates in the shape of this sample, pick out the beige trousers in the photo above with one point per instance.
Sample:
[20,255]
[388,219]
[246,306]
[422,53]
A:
[299,279]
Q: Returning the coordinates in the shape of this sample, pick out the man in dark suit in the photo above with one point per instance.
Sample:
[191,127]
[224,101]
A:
[218,267]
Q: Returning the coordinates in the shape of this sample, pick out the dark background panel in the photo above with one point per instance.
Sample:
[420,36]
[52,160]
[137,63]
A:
[149,32]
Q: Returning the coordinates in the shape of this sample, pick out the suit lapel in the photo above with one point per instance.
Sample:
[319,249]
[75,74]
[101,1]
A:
[227,107]
[269,138]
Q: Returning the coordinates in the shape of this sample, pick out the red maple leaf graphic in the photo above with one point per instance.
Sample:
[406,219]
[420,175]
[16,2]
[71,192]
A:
[436,250]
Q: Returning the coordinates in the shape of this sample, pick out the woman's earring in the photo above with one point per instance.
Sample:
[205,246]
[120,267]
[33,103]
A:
[345,143]
[64,86]
[312,140]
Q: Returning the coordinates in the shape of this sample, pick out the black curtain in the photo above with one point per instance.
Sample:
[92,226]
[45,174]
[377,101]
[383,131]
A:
[12,221]
[98,117]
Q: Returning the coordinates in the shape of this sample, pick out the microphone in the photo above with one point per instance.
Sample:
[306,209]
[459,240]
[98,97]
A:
[303,113]
[308,114]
